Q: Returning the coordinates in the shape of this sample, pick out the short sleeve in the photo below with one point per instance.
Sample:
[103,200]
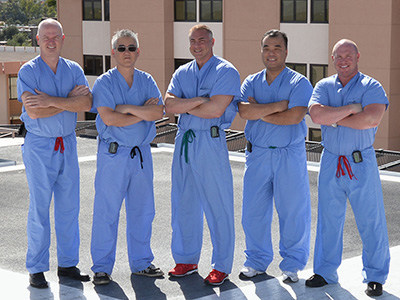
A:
[102,95]
[26,81]
[374,94]
[228,82]
[301,93]
[319,94]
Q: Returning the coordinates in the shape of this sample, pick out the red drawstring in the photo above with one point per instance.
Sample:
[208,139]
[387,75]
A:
[59,142]
[340,171]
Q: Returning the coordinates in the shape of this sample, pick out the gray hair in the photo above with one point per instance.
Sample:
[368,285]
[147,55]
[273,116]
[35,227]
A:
[47,22]
[124,33]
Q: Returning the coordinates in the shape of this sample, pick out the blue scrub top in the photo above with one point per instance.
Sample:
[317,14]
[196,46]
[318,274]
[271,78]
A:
[288,85]
[360,89]
[36,74]
[111,89]
[216,77]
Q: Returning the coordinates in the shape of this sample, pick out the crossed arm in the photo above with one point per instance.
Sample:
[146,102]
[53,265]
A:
[203,107]
[276,113]
[128,114]
[43,105]
[352,115]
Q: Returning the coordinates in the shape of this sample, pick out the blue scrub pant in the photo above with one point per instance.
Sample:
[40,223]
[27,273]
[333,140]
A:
[203,184]
[119,177]
[49,171]
[279,174]
[366,200]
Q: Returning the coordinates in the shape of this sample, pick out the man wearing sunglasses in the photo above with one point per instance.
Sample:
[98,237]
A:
[128,102]
[52,90]
[201,92]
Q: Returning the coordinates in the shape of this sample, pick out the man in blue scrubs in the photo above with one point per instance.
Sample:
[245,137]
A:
[274,101]
[52,90]
[349,106]
[128,101]
[201,92]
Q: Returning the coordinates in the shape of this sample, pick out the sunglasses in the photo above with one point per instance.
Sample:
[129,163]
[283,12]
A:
[122,48]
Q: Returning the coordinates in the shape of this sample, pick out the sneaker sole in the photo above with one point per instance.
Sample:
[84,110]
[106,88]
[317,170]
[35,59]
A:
[104,282]
[290,280]
[216,283]
[244,275]
[149,275]
[182,275]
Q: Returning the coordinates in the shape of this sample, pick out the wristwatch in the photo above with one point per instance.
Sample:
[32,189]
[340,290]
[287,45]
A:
[334,125]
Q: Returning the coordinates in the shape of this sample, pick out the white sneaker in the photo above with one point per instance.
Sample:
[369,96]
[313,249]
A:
[288,276]
[249,272]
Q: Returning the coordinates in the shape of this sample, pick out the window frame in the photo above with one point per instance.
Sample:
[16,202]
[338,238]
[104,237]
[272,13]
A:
[186,12]
[311,76]
[289,65]
[294,13]
[212,20]
[85,63]
[92,10]
[326,12]
[10,92]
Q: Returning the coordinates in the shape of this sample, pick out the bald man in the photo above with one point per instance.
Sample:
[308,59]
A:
[52,90]
[349,106]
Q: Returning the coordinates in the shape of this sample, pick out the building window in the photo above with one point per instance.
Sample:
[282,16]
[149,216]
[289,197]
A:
[181,61]
[314,134]
[293,11]
[107,59]
[301,68]
[210,10]
[185,10]
[319,11]
[317,72]
[12,85]
[92,10]
[106,10]
[93,64]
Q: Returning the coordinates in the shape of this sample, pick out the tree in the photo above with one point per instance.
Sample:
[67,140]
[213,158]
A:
[9,32]
[20,39]
[27,12]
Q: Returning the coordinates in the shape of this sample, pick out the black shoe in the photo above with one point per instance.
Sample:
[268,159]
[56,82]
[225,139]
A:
[374,289]
[316,281]
[101,278]
[37,280]
[73,272]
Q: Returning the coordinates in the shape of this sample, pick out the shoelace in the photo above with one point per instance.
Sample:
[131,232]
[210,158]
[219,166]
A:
[133,154]
[188,137]
[59,142]
[340,171]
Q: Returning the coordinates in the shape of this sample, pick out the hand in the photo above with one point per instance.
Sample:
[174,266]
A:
[252,100]
[41,100]
[79,90]
[355,108]
[151,101]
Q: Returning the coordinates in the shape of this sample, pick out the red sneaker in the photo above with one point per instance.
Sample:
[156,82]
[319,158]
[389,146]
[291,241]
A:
[181,270]
[216,277]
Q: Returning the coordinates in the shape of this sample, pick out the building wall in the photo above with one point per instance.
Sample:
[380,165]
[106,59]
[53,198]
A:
[243,27]
[154,24]
[7,108]
[372,24]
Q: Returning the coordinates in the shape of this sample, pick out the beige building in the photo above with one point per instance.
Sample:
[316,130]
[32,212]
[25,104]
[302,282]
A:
[313,27]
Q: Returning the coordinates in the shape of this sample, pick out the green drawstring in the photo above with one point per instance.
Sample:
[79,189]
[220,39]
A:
[188,137]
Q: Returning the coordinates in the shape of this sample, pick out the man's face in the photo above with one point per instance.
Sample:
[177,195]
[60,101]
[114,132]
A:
[50,40]
[345,60]
[124,54]
[274,53]
[201,45]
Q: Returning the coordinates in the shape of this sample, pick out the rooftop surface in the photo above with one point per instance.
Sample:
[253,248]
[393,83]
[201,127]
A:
[13,213]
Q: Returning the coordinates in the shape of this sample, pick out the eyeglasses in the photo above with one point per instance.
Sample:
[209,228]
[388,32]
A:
[122,48]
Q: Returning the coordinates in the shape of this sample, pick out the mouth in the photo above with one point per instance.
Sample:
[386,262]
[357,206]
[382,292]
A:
[344,67]
[271,59]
